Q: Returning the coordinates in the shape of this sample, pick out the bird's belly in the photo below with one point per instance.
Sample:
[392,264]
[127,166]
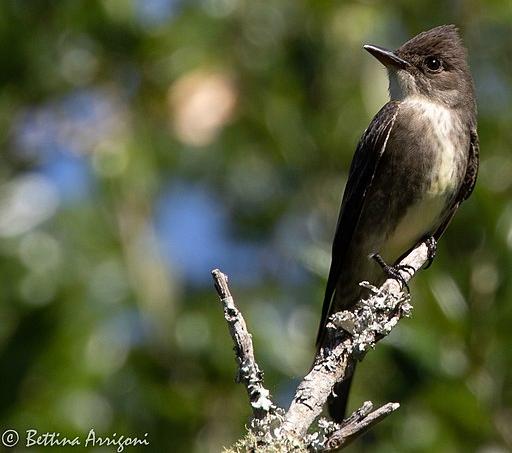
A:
[425,214]
[420,219]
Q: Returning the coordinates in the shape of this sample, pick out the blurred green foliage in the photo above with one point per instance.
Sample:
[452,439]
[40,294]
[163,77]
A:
[149,141]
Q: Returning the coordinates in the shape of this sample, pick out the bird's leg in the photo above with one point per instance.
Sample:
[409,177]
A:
[431,244]
[393,271]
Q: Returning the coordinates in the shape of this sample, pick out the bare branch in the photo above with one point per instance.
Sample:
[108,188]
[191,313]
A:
[351,334]
[249,373]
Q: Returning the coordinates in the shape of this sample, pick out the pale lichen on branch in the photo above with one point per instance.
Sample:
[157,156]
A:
[248,371]
[351,334]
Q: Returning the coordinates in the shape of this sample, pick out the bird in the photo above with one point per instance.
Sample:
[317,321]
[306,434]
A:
[414,165]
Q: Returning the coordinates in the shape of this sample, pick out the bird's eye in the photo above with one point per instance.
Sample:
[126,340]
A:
[433,64]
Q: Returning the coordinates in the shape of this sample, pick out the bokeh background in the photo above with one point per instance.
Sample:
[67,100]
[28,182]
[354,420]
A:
[148,141]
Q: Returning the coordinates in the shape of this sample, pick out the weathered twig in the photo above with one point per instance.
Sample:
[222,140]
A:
[248,371]
[339,436]
[351,334]
[358,426]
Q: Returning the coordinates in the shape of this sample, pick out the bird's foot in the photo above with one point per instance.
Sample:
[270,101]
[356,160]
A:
[431,244]
[393,271]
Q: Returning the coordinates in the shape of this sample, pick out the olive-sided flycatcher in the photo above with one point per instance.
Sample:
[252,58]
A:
[414,165]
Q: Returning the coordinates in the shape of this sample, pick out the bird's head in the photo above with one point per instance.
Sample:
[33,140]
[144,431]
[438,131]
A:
[433,64]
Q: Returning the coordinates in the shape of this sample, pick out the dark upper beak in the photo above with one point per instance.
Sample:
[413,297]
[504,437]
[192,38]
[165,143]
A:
[387,57]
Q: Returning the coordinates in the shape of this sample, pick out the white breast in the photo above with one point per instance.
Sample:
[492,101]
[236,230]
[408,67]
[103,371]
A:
[445,131]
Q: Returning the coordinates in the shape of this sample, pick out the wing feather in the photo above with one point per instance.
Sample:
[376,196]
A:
[362,171]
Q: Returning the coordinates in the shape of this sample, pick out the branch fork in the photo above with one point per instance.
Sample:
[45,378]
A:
[351,334]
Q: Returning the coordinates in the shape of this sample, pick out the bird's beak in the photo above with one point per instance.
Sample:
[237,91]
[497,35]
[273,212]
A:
[387,57]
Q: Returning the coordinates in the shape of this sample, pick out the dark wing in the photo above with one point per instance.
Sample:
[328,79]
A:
[468,184]
[361,174]
[472,169]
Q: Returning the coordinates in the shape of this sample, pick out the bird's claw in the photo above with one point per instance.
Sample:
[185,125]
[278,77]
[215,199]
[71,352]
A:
[394,271]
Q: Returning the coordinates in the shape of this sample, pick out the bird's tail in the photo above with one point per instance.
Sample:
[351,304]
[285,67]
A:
[338,399]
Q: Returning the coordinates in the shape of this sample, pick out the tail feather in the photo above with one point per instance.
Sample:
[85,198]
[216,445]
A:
[338,399]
